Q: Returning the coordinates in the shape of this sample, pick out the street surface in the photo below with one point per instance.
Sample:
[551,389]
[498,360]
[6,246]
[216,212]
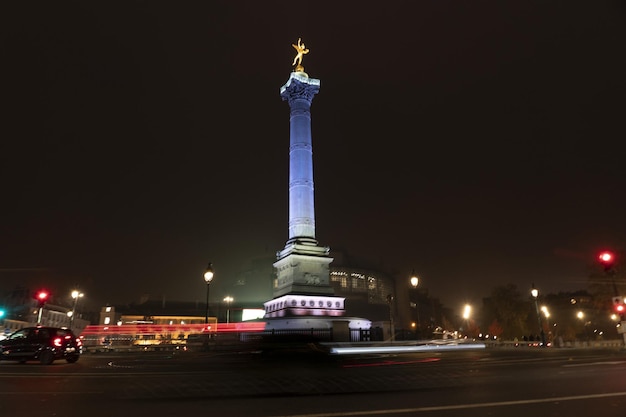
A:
[482,382]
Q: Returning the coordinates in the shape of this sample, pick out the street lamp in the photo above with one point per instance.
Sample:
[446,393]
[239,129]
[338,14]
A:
[392,328]
[581,316]
[75,295]
[535,293]
[414,280]
[467,310]
[208,277]
[546,314]
[228,299]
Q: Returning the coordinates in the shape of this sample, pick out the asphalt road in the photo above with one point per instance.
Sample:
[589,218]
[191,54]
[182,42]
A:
[482,382]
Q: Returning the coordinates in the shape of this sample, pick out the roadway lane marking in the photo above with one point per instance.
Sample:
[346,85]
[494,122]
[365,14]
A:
[459,406]
[389,363]
[595,363]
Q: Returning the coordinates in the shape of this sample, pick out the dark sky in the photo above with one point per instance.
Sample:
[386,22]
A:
[478,143]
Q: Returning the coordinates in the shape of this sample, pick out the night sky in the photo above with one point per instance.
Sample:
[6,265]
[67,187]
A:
[478,143]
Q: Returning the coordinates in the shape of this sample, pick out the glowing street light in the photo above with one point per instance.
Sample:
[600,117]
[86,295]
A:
[414,280]
[535,293]
[228,299]
[208,277]
[467,310]
[546,314]
[75,295]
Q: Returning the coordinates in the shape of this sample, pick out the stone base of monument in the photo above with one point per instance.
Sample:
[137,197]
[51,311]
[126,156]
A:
[293,305]
[320,328]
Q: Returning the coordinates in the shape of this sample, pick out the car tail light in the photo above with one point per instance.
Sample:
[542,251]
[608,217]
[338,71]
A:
[79,342]
[57,342]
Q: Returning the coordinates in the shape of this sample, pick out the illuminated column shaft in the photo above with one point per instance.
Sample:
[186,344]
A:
[298,92]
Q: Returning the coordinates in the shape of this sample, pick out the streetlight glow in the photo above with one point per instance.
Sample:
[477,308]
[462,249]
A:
[228,299]
[535,293]
[208,274]
[75,295]
[414,280]
[467,311]
[208,277]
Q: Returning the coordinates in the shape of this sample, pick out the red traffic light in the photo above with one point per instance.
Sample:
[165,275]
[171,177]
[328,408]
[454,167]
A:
[618,305]
[42,297]
[607,259]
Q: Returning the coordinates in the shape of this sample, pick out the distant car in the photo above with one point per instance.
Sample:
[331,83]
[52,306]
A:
[45,344]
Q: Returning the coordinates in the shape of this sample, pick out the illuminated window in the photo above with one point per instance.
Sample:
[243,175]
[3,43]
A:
[358,281]
[107,320]
[341,278]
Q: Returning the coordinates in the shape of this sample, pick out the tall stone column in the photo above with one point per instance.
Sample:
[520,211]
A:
[302,267]
[298,92]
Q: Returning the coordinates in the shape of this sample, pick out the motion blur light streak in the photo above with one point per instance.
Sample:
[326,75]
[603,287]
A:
[403,349]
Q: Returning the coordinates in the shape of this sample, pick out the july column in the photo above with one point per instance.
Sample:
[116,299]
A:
[298,92]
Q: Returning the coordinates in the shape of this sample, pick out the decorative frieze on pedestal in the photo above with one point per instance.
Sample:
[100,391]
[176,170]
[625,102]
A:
[305,305]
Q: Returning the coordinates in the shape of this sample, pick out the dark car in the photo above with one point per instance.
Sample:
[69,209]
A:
[45,344]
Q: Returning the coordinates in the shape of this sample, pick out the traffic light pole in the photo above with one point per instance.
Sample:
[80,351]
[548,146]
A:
[42,298]
[607,259]
[622,323]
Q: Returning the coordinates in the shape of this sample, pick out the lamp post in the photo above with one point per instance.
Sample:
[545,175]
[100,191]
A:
[75,295]
[546,314]
[392,328]
[535,293]
[581,316]
[414,280]
[208,277]
[607,259]
[467,310]
[228,299]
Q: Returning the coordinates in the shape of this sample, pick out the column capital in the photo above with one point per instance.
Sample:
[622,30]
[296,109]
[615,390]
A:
[299,87]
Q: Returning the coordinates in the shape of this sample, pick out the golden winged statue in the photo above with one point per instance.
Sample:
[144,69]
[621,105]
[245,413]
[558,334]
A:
[301,50]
